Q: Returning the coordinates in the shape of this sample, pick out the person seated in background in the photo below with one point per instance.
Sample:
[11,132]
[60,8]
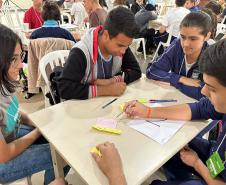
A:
[137,6]
[223,14]
[215,7]
[179,64]
[188,167]
[192,5]
[78,12]
[171,22]
[142,18]
[51,28]
[96,13]
[102,63]
[122,3]
[33,15]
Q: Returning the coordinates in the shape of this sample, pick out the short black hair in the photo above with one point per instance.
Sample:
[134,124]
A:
[121,20]
[180,2]
[198,19]
[214,6]
[213,63]
[51,11]
[8,43]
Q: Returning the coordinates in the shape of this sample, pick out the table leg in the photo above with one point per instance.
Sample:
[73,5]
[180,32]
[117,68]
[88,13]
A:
[58,163]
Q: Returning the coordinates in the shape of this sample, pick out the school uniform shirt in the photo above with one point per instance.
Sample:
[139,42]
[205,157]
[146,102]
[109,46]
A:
[171,65]
[9,117]
[174,16]
[205,110]
[52,29]
[33,18]
[85,64]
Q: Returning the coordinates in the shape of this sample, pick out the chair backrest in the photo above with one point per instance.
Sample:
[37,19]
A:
[64,14]
[174,26]
[221,28]
[223,20]
[53,59]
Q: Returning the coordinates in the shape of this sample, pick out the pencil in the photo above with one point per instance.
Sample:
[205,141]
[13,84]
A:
[109,103]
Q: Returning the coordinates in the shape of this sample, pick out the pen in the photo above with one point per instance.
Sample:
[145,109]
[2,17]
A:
[109,103]
[161,101]
[152,123]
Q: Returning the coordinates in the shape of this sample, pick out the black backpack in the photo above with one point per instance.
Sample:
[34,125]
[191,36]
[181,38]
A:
[54,76]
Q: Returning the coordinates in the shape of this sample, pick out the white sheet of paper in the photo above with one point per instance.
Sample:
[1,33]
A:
[161,133]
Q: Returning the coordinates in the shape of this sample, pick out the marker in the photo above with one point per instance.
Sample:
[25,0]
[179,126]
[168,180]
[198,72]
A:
[109,103]
[161,101]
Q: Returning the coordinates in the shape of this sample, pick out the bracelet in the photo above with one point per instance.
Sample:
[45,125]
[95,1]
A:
[149,112]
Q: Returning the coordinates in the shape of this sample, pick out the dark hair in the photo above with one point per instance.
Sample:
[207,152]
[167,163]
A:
[213,20]
[212,61]
[198,19]
[180,2]
[7,46]
[121,20]
[51,11]
[214,6]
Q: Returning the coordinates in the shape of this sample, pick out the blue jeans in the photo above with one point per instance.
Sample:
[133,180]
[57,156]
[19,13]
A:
[34,159]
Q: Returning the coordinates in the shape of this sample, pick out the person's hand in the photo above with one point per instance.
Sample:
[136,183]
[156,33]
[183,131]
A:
[110,162]
[190,82]
[104,81]
[59,181]
[189,156]
[134,108]
[117,89]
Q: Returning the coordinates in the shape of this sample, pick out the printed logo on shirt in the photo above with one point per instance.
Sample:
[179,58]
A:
[195,74]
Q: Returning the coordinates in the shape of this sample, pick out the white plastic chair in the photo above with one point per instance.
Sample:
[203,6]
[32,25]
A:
[53,59]
[64,14]
[222,22]
[221,28]
[137,41]
[167,43]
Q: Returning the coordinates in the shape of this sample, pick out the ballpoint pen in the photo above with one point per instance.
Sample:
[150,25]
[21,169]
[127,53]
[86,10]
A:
[161,101]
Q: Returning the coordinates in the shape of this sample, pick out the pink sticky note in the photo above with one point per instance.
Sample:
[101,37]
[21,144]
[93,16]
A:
[106,123]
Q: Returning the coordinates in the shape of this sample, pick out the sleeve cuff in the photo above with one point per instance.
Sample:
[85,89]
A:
[174,79]
[92,91]
[119,78]
[194,111]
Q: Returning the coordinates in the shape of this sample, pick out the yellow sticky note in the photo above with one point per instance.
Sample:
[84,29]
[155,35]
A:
[121,106]
[142,100]
[109,130]
[96,151]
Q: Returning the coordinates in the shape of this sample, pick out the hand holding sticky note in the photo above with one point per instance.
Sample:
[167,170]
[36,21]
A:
[95,151]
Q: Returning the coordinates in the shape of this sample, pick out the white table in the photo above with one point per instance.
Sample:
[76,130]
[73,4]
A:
[67,126]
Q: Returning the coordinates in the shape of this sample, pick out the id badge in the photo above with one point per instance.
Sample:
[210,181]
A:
[215,164]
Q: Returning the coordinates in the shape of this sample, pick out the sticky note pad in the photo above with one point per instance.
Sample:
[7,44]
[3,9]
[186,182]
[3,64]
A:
[109,130]
[106,123]
[96,151]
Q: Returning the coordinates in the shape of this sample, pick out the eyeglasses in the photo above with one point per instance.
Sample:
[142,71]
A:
[16,59]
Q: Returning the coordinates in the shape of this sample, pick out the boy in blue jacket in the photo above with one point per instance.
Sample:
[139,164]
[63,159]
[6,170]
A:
[179,64]
[188,167]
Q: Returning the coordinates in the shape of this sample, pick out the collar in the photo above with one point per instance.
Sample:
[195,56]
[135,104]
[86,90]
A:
[51,23]
[95,43]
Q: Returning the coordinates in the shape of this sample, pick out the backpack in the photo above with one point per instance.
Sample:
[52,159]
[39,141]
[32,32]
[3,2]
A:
[54,76]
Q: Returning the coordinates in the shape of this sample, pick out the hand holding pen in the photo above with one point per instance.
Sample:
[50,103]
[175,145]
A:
[134,108]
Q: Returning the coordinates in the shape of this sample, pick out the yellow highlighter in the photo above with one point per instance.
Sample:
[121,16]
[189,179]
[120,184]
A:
[96,151]
[109,130]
